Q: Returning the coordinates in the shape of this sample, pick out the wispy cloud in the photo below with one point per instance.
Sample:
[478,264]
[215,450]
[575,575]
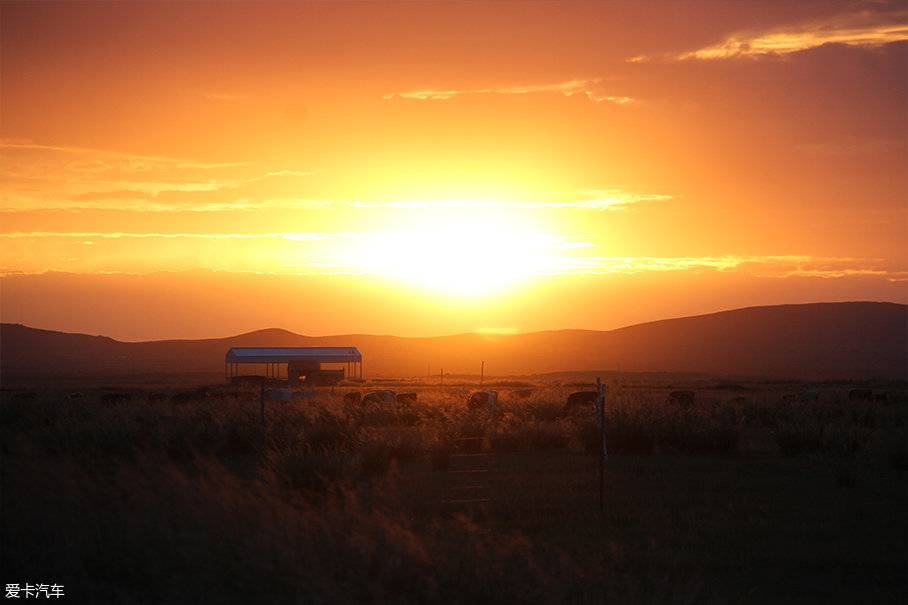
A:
[590,199]
[587,88]
[40,176]
[860,29]
[117,159]
[769,266]
[598,199]
[90,235]
[384,253]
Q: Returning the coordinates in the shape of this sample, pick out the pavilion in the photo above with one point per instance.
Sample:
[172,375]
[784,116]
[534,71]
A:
[298,364]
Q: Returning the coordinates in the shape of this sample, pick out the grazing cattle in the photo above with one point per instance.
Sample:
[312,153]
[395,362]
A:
[157,397]
[73,397]
[353,398]
[304,395]
[116,397]
[860,395]
[522,394]
[481,399]
[279,395]
[883,396]
[809,395]
[406,398]
[579,401]
[684,399]
[380,398]
[193,396]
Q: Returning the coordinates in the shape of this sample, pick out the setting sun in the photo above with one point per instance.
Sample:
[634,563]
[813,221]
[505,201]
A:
[462,168]
[460,249]
[387,301]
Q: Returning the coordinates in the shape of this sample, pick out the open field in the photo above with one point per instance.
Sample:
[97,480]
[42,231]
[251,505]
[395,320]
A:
[175,495]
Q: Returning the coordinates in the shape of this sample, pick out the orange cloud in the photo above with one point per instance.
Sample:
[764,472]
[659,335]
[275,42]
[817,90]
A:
[569,88]
[768,266]
[61,177]
[862,29]
[379,253]
[591,199]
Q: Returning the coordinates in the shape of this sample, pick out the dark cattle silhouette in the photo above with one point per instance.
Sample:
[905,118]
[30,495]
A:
[580,400]
[860,395]
[522,393]
[380,398]
[406,398]
[279,395]
[157,397]
[809,395]
[116,397]
[353,398]
[684,399]
[481,399]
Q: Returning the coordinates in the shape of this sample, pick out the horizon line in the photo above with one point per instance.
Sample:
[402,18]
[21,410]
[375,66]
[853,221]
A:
[487,332]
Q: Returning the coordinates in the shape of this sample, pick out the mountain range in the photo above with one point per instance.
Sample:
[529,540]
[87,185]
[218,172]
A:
[850,340]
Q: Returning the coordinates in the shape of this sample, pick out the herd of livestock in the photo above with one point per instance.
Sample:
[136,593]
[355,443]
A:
[576,402]
[477,400]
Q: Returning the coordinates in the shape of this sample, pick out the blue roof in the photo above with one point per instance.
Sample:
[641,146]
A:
[288,354]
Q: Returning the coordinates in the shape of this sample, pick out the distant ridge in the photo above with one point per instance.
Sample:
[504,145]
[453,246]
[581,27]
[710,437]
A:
[852,340]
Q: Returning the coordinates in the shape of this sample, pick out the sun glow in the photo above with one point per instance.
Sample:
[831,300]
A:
[464,251]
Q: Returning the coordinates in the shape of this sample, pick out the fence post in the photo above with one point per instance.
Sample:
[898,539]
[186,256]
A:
[603,454]
[262,400]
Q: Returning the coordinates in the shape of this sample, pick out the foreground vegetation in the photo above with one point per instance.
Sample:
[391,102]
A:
[744,496]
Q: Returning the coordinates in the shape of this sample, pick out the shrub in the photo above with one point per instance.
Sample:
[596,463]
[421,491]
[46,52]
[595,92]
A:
[308,469]
[374,458]
[522,437]
[328,431]
[407,444]
[693,432]
[242,435]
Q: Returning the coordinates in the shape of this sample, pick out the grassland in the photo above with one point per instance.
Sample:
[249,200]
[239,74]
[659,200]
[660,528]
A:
[186,496]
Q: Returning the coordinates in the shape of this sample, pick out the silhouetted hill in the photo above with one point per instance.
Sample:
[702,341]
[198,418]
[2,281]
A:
[810,341]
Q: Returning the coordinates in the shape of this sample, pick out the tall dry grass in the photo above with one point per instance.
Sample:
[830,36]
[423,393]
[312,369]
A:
[188,498]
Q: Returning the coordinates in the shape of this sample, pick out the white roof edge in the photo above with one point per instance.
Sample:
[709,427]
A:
[287,354]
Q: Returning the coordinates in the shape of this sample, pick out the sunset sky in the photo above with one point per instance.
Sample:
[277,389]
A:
[201,169]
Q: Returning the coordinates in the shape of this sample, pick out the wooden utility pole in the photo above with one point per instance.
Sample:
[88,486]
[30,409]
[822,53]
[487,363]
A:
[603,454]
[482,368]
